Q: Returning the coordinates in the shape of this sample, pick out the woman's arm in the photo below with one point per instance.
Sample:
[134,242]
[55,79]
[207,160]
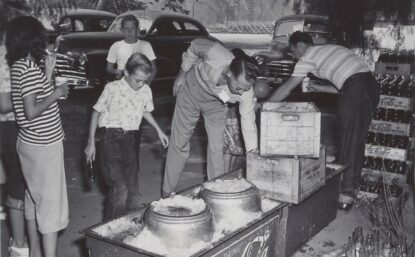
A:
[33,109]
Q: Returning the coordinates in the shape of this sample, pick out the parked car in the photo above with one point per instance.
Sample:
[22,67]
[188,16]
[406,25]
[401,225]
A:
[76,20]
[82,56]
[276,63]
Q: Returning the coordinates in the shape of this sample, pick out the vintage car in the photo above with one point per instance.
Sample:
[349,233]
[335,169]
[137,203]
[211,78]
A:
[75,20]
[82,56]
[276,63]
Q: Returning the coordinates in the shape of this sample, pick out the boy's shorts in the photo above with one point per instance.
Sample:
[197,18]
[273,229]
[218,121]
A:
[46,196]
[15,183]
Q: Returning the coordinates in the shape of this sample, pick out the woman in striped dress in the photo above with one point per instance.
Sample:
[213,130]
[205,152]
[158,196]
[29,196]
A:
[40,135]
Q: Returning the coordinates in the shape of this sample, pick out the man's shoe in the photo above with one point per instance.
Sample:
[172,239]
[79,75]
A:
[345,201]
[167,195]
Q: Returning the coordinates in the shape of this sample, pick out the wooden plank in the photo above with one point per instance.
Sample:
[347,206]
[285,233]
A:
[386,175]
[394,68]
[286,179]
[395,102]
[290,129]
[385,152]
[386,127]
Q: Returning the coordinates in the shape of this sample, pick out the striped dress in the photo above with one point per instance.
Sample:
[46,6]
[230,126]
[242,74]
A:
[332,62]
[27,79]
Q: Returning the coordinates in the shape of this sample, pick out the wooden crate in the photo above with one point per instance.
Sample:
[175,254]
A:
[394,68]
[290,128]
[287,179]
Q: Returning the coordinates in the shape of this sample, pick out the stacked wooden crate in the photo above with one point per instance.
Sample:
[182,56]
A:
[291,163]
[390,144]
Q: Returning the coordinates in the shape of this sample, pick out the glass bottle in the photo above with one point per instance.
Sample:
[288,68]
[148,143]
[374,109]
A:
[91,171]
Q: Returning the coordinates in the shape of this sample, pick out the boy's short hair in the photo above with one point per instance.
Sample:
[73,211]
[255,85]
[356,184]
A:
[138,61]
[299,36]
[129,17]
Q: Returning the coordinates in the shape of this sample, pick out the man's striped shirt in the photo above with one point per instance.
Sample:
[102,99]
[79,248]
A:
[27,79]
[332,62]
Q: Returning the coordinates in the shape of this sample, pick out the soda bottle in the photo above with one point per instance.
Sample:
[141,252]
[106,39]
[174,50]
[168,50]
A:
[91,172]
[403,142]
[370,137]
[390,113]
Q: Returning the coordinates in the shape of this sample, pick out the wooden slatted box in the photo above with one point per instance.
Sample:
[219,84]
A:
[290,128]
[287,179]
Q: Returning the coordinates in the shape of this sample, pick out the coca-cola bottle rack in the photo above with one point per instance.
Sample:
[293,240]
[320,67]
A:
[395,62]
[390,140]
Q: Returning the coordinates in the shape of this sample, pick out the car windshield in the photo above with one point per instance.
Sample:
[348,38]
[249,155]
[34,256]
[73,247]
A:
[287,28]
[316,27]
[145,23]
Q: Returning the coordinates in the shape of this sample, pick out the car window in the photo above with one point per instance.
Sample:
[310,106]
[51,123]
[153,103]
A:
[78,25]
[192,29]
[315,27]
[145,23]
[287,28]
[98,24]
[167,28]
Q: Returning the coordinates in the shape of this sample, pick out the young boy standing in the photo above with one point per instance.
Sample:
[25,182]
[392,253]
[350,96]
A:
[121,50]
[119,110]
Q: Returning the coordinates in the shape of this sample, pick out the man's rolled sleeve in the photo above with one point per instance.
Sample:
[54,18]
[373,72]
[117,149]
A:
[248,125]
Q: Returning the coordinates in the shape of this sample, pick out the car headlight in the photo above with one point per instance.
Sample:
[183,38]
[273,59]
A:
[82,59]
[259,59]
[76,59]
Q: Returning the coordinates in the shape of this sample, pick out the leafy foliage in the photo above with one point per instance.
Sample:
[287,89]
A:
[175,6]
[349,18]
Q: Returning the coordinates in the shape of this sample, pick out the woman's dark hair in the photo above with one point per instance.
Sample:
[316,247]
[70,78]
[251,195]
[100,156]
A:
[129,17]
[299,36]
[138,61]
[25,35]
[242,63]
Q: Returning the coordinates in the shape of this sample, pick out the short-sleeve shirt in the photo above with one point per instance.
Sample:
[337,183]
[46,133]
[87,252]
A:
[28,79]
[120,51]
[123,107]
[332,62]
[5,86]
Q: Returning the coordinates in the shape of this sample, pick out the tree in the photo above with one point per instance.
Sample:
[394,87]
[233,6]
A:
[349,18]
[176,6]
[250,6]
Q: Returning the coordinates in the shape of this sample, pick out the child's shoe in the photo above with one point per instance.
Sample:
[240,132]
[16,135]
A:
[16,251]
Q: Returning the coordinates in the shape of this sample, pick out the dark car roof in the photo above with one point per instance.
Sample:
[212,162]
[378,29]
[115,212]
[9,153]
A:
[88,12]
[303,17]
[142,13]
[156,14]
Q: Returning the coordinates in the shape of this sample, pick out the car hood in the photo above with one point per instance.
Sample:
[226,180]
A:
[87,41]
